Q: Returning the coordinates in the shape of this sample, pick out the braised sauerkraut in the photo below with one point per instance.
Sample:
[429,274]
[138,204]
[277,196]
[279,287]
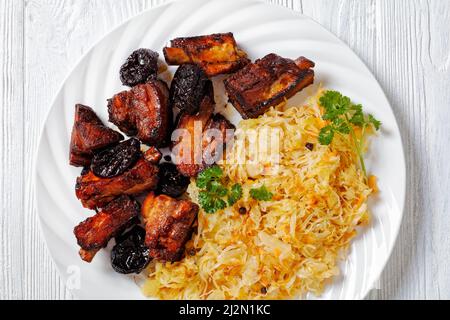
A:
[285,247]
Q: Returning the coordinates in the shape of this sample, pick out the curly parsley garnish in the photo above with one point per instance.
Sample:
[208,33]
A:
[213,192]
[235,194]
[261,194]
[206,176]
[343,116]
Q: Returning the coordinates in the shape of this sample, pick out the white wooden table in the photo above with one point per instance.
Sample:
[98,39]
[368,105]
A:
[406,43]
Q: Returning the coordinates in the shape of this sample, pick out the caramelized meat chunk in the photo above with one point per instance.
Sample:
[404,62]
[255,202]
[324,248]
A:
[95,192]
[215,54]
[143,112]
[201,139]
[267,82]
[168,224]
[89,134]
[217,134]
[189,85]
[153,155]
[95,232]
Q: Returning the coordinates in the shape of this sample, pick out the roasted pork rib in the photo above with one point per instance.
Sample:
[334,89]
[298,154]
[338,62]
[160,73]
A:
[201,139]
[168,224]
[95,232]
[153,155]
[215,54]
[95,192]
[89,134]
[143,112]
[267,82]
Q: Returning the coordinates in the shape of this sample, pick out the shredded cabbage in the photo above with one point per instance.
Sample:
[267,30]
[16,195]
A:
[281,248]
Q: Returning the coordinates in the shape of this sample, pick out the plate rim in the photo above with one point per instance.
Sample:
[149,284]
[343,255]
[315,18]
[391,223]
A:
[80,60]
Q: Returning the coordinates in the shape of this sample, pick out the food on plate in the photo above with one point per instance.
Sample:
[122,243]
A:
[191,157]
[95,232]
[88,135]
[130,254]
[189,86]
[297,213]
[143,112]
[344,117]
[213,192]
[153,155]
[267,82]
[116,160]
[171,181]
[268,216]
[95,192]
[168,224]
[141,66]
[215,54]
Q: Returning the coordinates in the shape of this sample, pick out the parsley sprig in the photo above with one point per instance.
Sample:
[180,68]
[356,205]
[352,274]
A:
[343,116]
[213,192]
[261,194]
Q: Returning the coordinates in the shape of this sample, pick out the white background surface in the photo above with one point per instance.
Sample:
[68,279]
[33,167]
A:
[406,44]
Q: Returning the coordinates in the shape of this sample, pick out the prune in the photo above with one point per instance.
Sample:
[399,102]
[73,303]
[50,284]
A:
[189,85]
[116,160]
[171,182]
[140,67]
[130,254]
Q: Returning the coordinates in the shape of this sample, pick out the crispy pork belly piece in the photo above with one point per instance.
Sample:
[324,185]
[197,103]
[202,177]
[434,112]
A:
[89,134]
[201,139]
[168,225]
[215,54]
[143,112]
[217,134]
[95,192]
[267,82]
[153,155]
[95,232]
[186,147]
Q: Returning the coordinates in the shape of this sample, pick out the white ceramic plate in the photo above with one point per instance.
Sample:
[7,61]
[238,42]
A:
[259,29]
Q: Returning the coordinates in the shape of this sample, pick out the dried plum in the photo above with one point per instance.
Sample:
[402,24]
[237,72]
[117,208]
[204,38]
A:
[189,85]
[130,254]
[116,160]
[140,67]
[171,182]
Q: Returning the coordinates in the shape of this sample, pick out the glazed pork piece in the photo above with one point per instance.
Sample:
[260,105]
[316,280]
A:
[95,232]
[168,225]
[153,155]
[88,135]
[215,54]
[143,112]
[267,82]
[201,139]
[95,192]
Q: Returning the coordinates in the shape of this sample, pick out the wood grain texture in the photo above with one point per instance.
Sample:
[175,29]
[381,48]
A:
[11,150]
[404,42]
